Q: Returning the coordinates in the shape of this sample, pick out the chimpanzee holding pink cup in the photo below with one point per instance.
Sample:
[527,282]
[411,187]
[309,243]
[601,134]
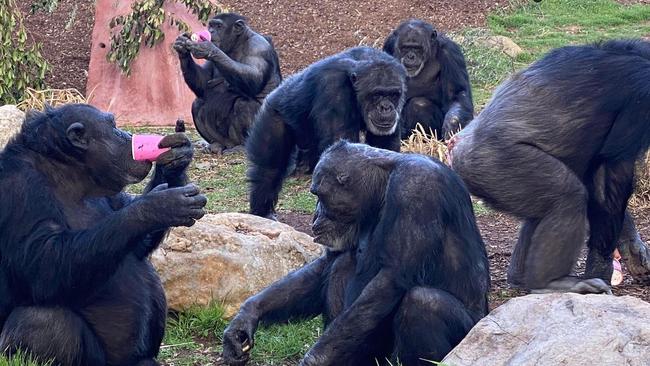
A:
[241,69]
[76,284]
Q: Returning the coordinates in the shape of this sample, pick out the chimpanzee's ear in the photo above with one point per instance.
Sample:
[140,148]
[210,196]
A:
[239,26]
[76,134]
[434,35]
[343,178]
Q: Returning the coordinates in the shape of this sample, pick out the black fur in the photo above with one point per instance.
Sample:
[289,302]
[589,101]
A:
[241,69]
[439,96]
[556,146]
[361,89]
[405,274]
[75,282]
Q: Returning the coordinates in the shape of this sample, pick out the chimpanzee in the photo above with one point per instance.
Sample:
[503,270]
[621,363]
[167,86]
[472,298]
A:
[241,69]
[438,93]
[76,285]
[360,89]
[556,146]
[405,274]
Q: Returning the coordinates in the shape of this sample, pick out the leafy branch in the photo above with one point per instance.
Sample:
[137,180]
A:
[21,62]
[143,25]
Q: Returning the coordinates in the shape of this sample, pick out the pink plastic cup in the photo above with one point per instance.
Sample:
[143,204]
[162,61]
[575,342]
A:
[145,147]
[201,36]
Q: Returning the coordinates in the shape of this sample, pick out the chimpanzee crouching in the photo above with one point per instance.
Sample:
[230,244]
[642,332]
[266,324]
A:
[405,275]
[360,89]
[76,286]
[556,146]
[438,92]
[241,69]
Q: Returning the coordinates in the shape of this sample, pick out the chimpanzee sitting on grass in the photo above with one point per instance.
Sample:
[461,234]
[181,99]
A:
[75,282]
[405,275]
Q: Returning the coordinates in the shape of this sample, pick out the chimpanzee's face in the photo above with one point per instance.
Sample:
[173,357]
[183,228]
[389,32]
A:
[338,209]
[415,46]
[107,152]
[381,90]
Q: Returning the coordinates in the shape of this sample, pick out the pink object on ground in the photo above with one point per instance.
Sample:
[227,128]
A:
[155,92]
[617,274]
[201,36]
[145,147]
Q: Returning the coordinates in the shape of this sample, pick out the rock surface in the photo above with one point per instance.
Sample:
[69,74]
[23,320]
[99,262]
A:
[11,118]
[227,258]
[505,44]
[559,329]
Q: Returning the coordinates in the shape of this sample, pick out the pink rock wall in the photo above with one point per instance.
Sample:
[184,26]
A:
[155,92]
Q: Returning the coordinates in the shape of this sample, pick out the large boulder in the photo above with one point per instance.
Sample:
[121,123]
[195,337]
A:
[11,119]
[559,329]
[228,257]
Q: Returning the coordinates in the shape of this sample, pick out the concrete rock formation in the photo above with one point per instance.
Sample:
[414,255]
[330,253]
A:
[11,119]
[227,258]
[559,329]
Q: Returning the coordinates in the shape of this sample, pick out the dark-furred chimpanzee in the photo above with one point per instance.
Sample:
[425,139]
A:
[556,147]
[360,89]
[405,274]
[76,285]
[438,93]
[241,69]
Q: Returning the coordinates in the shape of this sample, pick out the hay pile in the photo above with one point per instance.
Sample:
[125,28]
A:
[425,143]
[37,99]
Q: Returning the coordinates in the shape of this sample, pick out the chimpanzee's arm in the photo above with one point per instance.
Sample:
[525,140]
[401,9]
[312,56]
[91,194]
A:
[457,88]
[298,295]
[196,76]
[247,76]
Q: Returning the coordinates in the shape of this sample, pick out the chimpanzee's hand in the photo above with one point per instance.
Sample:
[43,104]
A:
[201,50]
[175,161]
[163,207]
[238,340]
[181,44]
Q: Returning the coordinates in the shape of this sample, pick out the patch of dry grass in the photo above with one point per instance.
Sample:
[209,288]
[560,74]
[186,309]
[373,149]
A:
[37,99]
[426,143]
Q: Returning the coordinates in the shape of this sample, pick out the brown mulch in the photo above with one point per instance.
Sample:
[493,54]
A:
[305,31]
[66,35]
[499,232]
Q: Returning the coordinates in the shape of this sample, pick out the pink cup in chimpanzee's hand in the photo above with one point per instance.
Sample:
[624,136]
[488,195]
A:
[145,147]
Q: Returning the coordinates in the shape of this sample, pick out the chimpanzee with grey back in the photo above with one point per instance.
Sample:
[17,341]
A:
[405,274]
[241,69]
[438,93]
[360,89]
[556,146]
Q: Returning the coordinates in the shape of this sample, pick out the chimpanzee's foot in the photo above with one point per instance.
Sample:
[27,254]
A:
[239,149]
[577,285]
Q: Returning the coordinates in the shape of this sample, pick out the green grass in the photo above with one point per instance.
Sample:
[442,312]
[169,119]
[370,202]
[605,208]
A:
[538,27]
[20,359]
[193,338]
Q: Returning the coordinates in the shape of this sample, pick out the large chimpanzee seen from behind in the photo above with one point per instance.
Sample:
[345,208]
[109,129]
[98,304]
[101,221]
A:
[439,94]
[556,147]
[241,69]
[360,89]
[405,274]
[75,282]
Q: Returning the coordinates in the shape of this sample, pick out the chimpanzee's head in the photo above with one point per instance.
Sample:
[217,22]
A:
[380,86]
[416,43]
[87,138]
[225,30]
[350,181]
